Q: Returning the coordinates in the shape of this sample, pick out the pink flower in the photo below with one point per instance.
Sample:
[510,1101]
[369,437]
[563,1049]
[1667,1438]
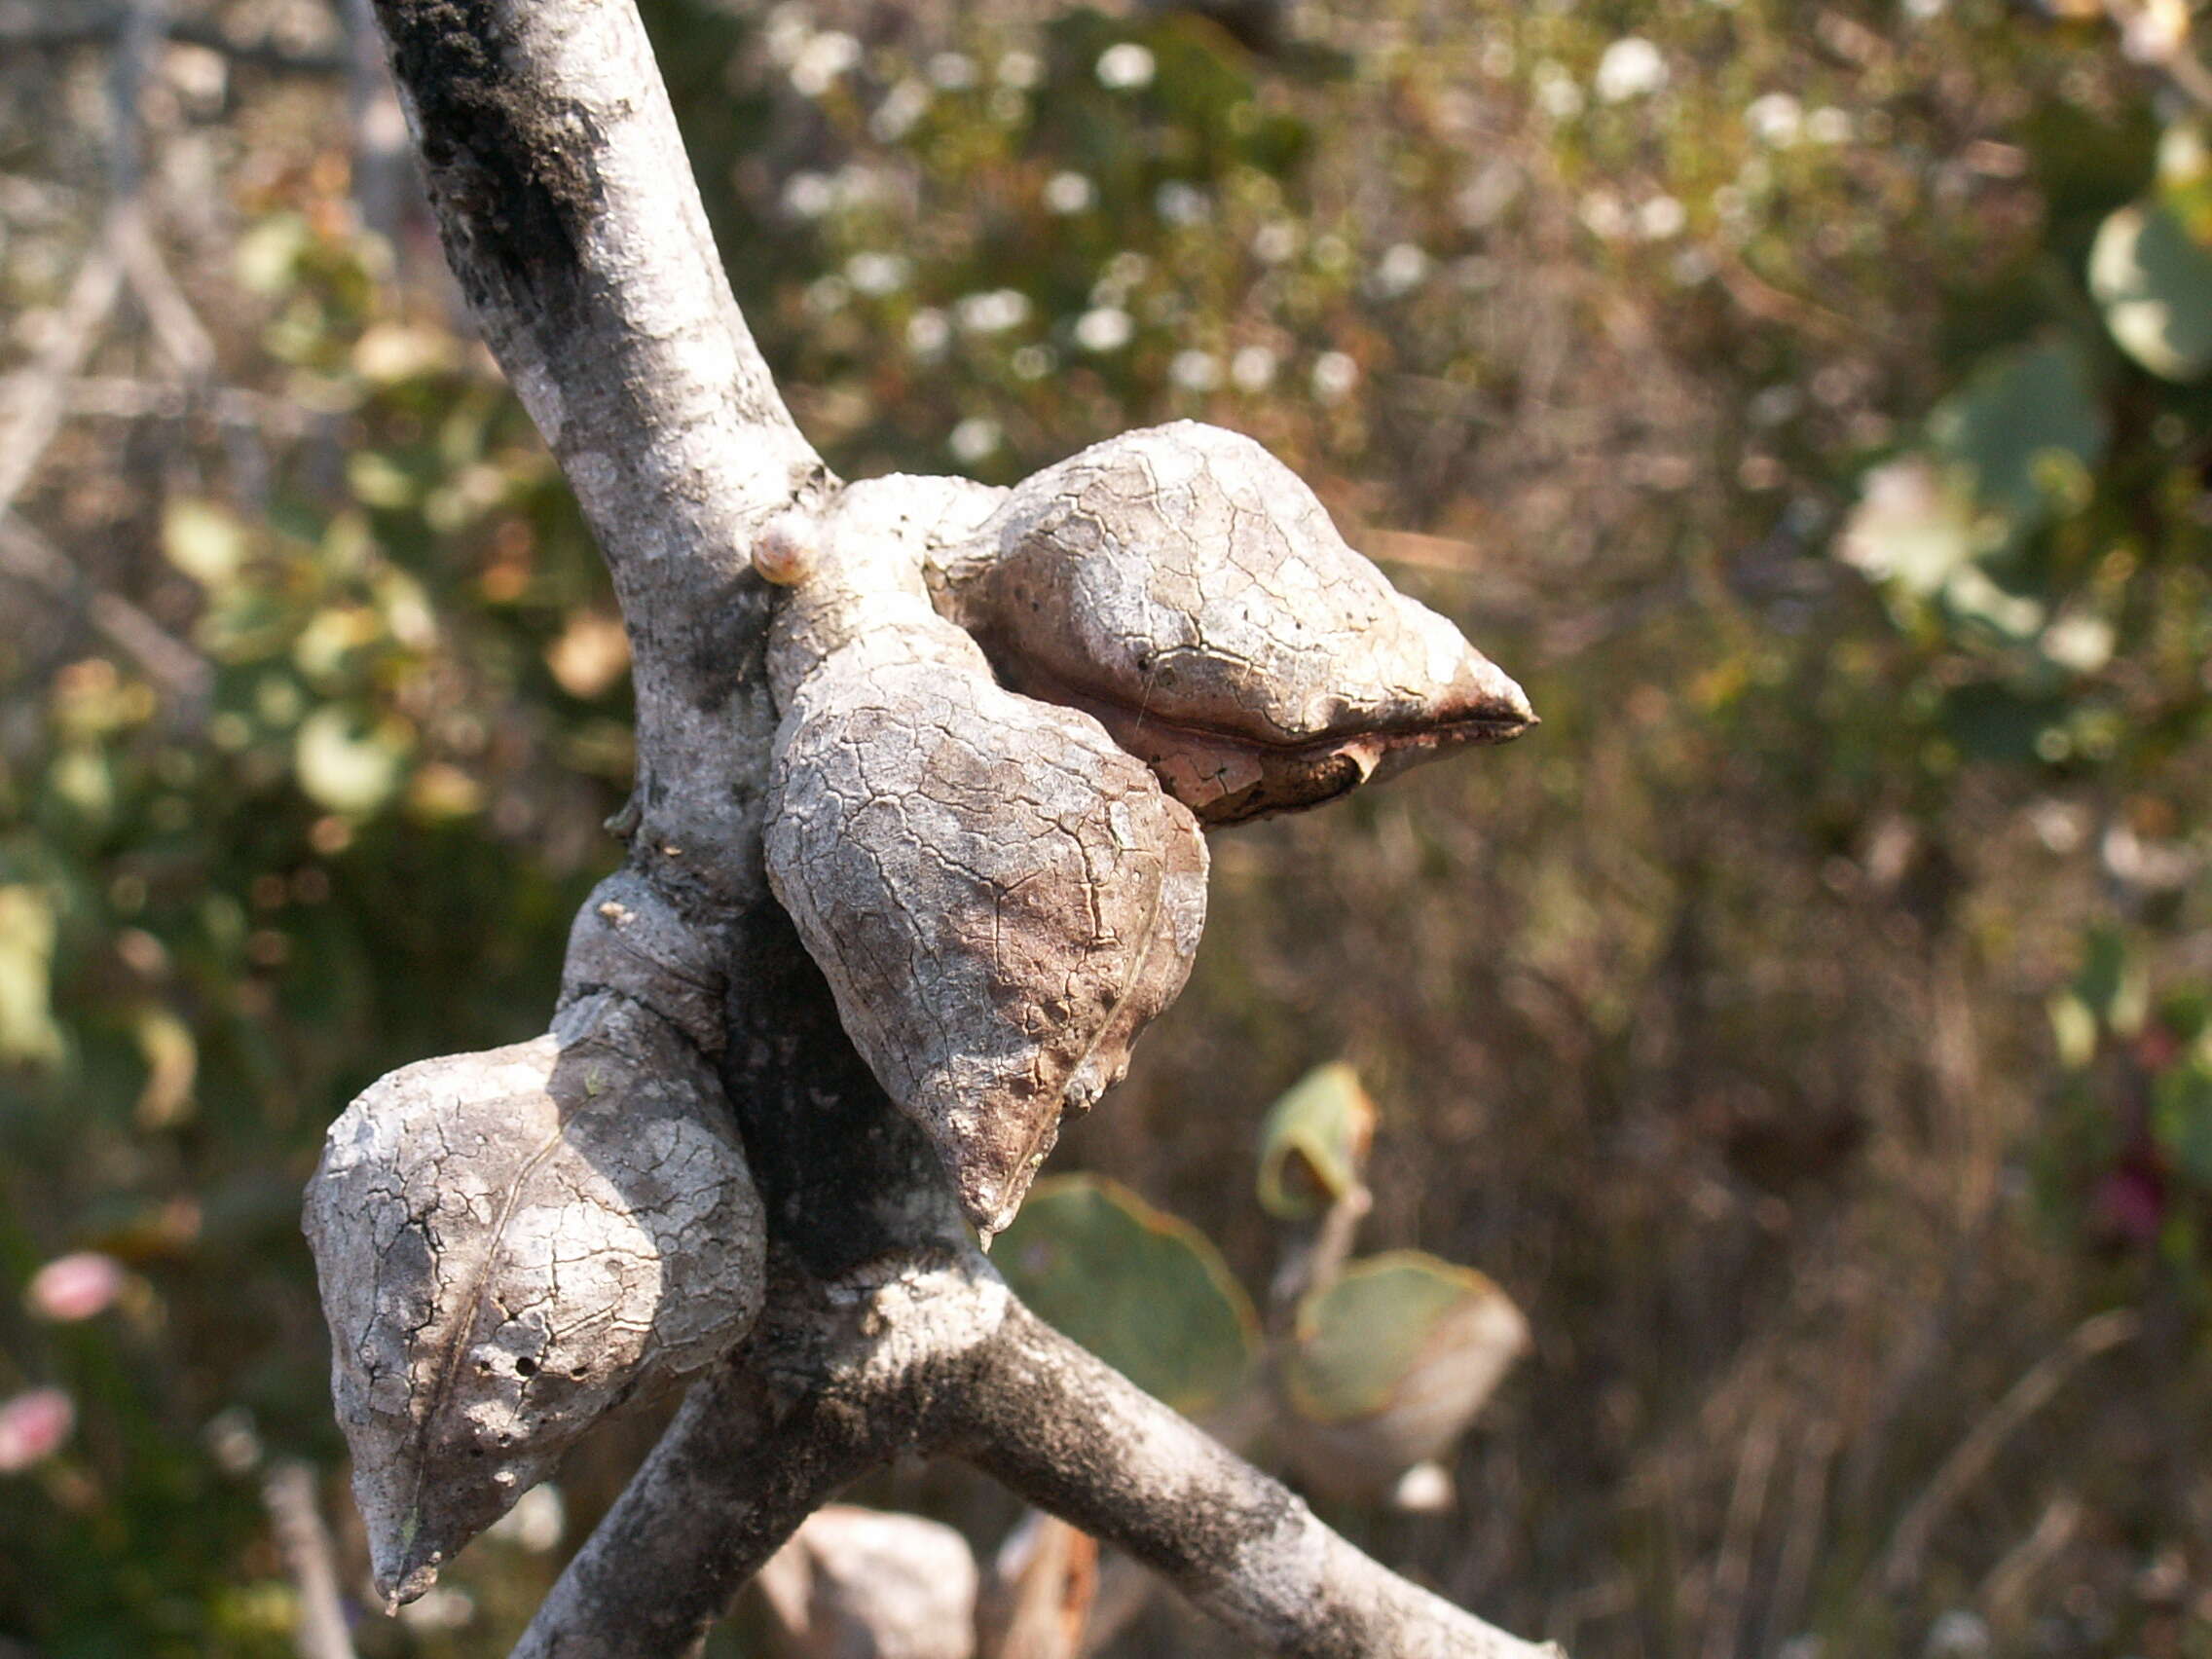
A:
[75,1287]
[32,1427]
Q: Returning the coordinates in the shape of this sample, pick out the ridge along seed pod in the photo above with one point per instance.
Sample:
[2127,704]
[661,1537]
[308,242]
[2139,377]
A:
[510,1245]
[1188,589]
[999,897]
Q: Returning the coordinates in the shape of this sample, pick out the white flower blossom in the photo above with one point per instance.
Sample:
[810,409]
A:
[1400,270]
[821,61]
[1126,68]
[1603,215]
[1020,70]
[1630,68]
[1828,125]
[977,438]
[1660,218]
[1275,240]
[928,333]
[1774,117]
[952,71]
[1104,328]
[877,273]
[1253,368]
[1069,192]
[809,194]
[1333,375]
[1558,94]
[993,312]
[901,106]
[1195,371]
[1181,204]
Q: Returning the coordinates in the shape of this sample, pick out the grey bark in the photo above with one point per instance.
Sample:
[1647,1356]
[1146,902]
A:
[567,206]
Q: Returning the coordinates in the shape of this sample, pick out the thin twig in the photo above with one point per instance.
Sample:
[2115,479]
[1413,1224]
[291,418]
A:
[1971,1457]
[2003,1594]
[304,1541]
[1801,1538]
[121,398]
[33,25]
[32,423]
[183,673]
[1732,1571]
[31,419]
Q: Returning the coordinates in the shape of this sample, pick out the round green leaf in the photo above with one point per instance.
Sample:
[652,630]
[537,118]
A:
[1313,1144]
[1144,1291]
[1393,1359]
[2154,283]
[2027,426]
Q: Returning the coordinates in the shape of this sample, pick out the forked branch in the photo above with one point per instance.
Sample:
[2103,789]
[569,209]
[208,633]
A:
[570,216]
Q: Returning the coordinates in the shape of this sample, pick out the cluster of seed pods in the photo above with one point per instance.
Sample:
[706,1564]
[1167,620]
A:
[1004,718]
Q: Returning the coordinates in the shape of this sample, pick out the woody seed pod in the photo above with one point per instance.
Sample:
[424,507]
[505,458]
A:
[999,897]
[510,1244]
[1186,589]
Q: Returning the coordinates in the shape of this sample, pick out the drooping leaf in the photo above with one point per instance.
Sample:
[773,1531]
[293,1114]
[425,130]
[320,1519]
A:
[1392,1360]
[1314,1143]
[1146,1292]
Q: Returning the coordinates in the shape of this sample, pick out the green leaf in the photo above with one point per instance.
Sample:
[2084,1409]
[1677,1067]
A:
[27,1031]
[2111,985]
[1377,1330]
[2181,1115]
[1393,1359]
[1991,721]
[1146,1292]
[2027,428]
[1313,1145]
[2153,279]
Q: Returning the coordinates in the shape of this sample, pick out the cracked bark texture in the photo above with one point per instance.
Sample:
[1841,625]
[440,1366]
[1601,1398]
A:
[999,897]
[1188,589]
[510,1245]
[868,1326]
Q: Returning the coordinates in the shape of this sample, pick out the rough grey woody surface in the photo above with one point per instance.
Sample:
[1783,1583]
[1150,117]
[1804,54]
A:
[966,737]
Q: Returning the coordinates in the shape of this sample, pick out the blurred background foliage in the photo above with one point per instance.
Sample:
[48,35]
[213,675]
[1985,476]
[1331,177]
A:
[1809,1028]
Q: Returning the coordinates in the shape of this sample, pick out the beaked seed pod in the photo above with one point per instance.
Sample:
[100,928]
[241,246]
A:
[999,897]
[510,1246]
[1188,590]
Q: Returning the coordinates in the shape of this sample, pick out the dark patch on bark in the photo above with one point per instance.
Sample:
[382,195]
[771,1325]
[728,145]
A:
[512,168]
[846,1177]
[728,644]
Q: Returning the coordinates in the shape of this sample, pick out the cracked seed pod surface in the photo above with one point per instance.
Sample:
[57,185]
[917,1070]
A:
[999,896]
[510,1246]
[1188,589]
